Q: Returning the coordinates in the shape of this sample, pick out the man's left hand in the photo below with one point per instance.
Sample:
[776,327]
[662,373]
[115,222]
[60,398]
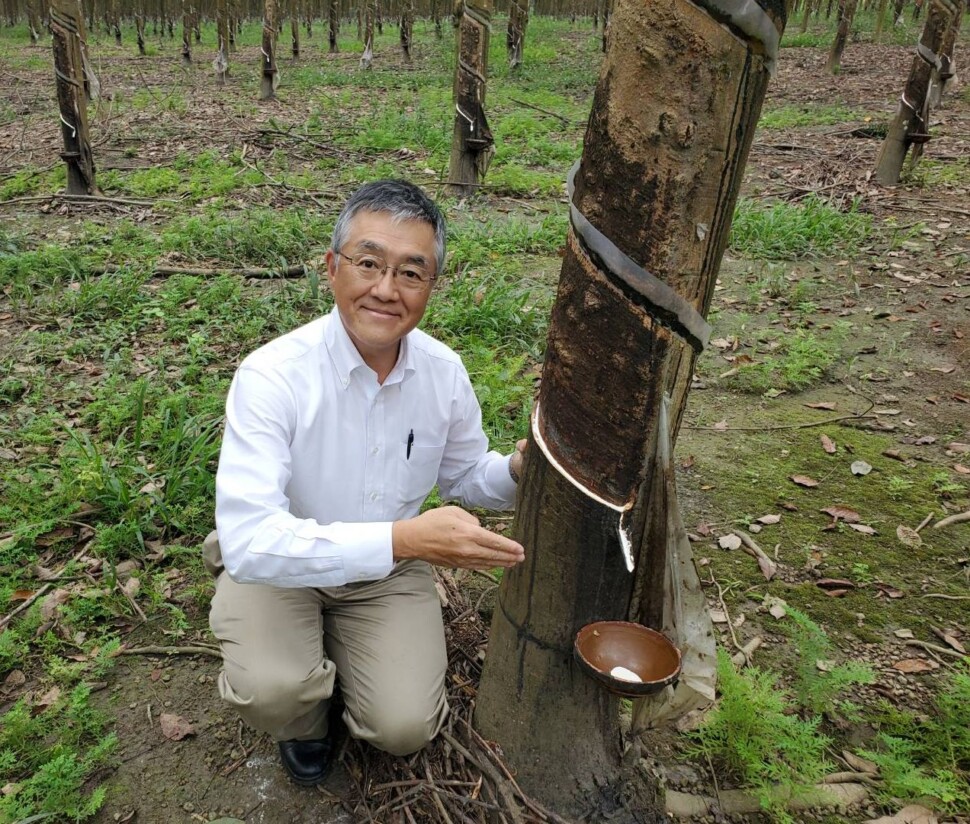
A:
[517,457]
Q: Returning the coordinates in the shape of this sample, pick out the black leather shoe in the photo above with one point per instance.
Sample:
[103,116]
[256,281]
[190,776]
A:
[307,762]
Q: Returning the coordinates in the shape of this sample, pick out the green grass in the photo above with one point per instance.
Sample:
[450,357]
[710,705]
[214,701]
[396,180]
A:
[785,231]
[789,117]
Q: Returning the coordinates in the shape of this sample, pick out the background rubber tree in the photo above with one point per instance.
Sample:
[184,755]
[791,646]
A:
[945,72]
[221,62]
[407,28]
[515,33]
[333,24]
[846,14]
[911,123]
[471,142]
[269,74]
[672,123]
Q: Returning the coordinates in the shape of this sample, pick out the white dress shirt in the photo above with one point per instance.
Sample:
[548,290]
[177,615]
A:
[316,462]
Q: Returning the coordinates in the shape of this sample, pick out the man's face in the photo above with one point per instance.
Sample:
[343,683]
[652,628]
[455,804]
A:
[377,315]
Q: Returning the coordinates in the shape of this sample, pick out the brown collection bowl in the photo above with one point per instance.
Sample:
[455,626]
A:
[603,645]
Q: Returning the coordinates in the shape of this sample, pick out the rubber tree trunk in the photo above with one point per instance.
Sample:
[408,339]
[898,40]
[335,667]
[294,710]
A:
[221,63]
[407,28]
[295,28]
[269,74]
[140,31]
[846,13]
[187,33]
[945,72]
[515,36]
[436,19]
[898,7]
[333,10]
[92,86]
[65,28]
[370,19]
[880,18]
[911,123]
[33,20]
[806,16]
[471,142]
[673,119]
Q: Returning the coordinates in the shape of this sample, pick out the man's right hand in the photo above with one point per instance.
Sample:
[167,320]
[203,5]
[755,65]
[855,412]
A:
[451,537]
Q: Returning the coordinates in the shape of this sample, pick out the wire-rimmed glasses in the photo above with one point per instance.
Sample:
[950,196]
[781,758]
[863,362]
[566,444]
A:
[371,268]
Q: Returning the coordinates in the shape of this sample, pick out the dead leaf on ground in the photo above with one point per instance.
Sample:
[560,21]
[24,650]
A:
[963,470]
[718,616]
[949,640]
[51,602]
[835,593]
[175,727]
[959,448]
[828,444]
[15,679]
[842,513]
[905,634]
[926,440]
[767,520]
[946,370]
[908,536]
[865,529]
[860,468]
[828,405]
[47,699]
[913,814]
[731,541]
[804,480]
[888,590]
[860,764]
[720,426]
[776,606]
[915,665]
[834,583]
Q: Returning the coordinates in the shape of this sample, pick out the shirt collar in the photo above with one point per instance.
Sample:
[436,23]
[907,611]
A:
[347,360]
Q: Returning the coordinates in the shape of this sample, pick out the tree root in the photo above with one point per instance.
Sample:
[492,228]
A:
[741,802]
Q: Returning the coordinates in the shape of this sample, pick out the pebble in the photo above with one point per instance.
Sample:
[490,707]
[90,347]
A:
[188,806]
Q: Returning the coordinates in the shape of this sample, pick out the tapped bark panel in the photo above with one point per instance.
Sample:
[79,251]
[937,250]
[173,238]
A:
[598,392]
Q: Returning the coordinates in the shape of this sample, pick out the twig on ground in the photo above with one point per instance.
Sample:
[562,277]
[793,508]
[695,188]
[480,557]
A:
[946,597]
[924,522]
[131,600]
[767,566]
[25,605]
[86,199]
[953,519]
[931,647]
[720,598]
[564,120]
[235,765]
[854,417]
[162,650]
[743,656]
[298,271]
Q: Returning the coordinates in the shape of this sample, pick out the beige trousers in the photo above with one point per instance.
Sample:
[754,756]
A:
[383,641]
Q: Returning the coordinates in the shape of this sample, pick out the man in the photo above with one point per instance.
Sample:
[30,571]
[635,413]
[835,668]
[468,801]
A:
[335,434]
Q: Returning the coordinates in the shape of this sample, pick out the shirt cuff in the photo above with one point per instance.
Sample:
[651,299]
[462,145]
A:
[499,480]
[370,556]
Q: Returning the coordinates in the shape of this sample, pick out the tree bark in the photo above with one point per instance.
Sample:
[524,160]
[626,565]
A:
[186,33]
[898,10]
[471,142]
[941,76]
[880,18]
[295,28]
[33,20]
[518,20]
[407,27]
[673,120]
[846,13]
[911,124]
[221,63]
[69,71]
[370,18]
[332,12]
[268,78]
[140,31]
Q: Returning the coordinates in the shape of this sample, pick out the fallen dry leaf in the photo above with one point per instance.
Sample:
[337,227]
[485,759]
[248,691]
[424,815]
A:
[175,727]
[926,440]
[51,602]
[860,764]
[828,444]
[776,606]
[731,541]
[915,665]
[860,468]
[767,520]
[905,634]
[15,679]
[959,448]
[865,529]
[829,405]
[842,513]
[720,426]
[804,480]
[963,470]
[908,536]
[888,590]
[913,814]
[835,593]
[47,699]
[946,370]
[834,583]
[718,616]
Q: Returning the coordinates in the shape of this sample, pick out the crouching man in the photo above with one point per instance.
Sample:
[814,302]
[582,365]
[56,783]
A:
[335,434]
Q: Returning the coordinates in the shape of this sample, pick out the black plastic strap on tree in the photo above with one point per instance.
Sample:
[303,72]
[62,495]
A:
[666,305]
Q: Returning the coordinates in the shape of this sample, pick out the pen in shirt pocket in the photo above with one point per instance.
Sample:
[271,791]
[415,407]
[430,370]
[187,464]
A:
[410,444]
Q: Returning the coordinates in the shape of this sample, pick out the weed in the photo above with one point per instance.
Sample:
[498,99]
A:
[753,732]
[945,486]
[783,231]
[897,487]
[817,682]
[797,362]
[47,757]
[787,117]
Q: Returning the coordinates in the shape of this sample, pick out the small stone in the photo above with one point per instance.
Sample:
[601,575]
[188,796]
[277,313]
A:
[188,806]
[166,677]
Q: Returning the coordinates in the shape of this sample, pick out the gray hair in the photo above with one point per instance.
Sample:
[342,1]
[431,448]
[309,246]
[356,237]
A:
[401,200]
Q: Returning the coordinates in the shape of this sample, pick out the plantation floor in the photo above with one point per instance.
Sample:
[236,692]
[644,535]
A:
[821,357]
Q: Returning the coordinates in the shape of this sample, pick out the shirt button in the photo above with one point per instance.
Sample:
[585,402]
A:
[375,450]
[374,496]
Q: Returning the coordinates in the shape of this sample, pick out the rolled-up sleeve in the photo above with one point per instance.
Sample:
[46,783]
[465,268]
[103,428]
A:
[261,541]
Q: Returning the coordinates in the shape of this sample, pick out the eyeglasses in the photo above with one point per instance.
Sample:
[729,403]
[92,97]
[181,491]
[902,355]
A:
[371,268]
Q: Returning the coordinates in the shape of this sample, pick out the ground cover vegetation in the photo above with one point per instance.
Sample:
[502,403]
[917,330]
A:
[828,418]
